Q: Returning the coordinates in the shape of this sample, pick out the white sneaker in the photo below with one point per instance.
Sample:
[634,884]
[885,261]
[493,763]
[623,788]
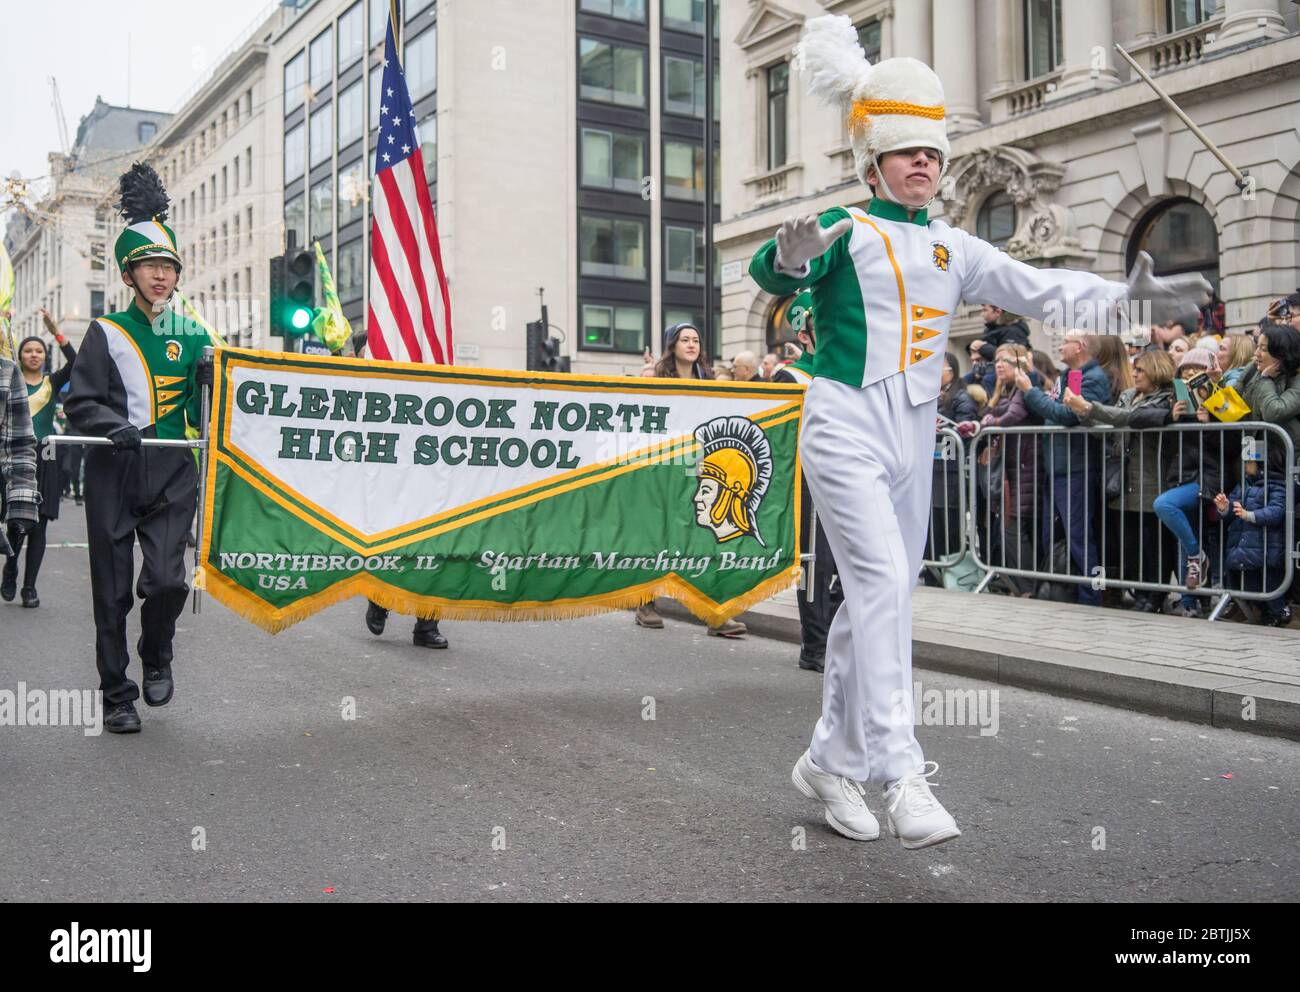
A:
[846,809]
[915,817]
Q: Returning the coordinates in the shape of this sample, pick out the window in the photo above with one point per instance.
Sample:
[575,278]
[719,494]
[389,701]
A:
[146,131]
[295,227]
[426,132]
[1042,37]
[294,154]
[684,256]
[1181,237]
[611,73]
[352,193]
[624,10]
[249,215]
[322,134]
[351,272]
[778,93]
[236,242]
[322,61]
[869,39]
[378,20]
[295,71]
[614,328]
[96,302]
[1185,13]
[612,248]
[236,187]
[97,256]
[225,184]
[420,60]
[684,171]
[376,78]
[225,240]
[350,115]
[350,43]
[321,221]
[683,86]
[996,220]
[613,160]
[688,15]
[248,166]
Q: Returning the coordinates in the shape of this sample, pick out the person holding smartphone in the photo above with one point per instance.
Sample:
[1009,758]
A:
[1067,493]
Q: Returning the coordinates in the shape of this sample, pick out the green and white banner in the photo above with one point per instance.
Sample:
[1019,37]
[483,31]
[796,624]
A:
[481,494]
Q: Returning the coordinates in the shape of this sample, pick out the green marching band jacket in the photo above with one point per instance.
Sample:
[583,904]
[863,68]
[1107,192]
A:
[134,370]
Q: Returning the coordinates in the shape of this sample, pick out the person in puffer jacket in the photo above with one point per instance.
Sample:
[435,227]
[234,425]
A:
[1257,535]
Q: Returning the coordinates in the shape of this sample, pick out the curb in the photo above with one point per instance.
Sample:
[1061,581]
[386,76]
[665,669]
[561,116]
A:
[1195,696]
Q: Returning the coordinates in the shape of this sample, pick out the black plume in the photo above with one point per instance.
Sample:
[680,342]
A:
[142,196]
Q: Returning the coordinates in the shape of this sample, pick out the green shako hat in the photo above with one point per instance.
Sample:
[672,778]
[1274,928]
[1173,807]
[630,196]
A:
[143,202]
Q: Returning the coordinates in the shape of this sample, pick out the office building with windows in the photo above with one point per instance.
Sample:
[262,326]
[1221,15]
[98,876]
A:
[563,145]
[1061,154]
[58,247]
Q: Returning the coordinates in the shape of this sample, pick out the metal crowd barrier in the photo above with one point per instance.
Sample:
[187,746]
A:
[1111,531]
[948,540]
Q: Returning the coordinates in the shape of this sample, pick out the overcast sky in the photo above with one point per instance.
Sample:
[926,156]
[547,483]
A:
[83,44]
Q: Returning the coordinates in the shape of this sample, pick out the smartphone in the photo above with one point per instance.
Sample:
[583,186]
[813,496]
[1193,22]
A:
[1074,379]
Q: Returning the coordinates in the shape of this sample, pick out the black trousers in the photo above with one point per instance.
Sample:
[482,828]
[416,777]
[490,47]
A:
[149,494]
[820,598]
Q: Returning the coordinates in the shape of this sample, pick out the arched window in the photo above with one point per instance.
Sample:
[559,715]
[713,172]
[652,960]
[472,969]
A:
[996,220]
[1180,236]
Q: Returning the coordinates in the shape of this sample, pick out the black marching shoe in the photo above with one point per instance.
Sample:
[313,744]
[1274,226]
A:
[812,664]
[122,719]
[9,580]
[426,635]
[158,685]
[376,617]
[30,600]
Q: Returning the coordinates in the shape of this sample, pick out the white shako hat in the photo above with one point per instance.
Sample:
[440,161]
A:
[894,104]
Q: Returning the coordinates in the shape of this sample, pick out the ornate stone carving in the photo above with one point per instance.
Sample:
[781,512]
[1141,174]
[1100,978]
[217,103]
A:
[1044,229]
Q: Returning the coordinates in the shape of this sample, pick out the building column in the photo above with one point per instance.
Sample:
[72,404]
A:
[1005,24]
[1088,37]
[912,30]
[954,49]
[1249,20]
[1146,21]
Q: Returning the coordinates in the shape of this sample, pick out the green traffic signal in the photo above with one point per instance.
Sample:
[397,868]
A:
[301,318]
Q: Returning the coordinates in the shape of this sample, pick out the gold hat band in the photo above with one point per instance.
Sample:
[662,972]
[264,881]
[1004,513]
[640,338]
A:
[863,110]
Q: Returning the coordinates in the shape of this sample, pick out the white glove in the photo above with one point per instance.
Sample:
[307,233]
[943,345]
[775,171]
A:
[1170,296]
[801,239]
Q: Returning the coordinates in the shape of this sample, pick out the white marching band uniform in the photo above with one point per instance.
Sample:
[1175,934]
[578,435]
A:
[884,293]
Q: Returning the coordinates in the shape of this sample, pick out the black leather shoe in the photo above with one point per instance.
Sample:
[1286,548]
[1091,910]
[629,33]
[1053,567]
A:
[158,686]
[428,637]
[30,600]
[122,719]
[812,664]
[9,580]
[376,617]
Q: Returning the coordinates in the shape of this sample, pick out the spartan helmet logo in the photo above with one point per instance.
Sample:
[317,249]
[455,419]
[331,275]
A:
[734,474]
[940,255]
[173,351]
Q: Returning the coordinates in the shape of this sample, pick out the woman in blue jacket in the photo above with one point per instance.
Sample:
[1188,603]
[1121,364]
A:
[1257,535]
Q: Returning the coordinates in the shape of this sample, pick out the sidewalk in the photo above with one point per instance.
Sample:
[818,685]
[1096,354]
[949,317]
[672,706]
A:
[1169,666]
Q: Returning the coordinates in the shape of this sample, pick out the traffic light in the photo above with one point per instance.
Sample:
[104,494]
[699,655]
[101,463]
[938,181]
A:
[543,351]
[293,292]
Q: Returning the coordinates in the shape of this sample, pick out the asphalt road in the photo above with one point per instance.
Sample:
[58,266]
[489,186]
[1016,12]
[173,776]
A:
[518,766]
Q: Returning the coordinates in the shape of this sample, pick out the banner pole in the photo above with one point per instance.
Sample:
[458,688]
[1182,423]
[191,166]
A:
[205,412]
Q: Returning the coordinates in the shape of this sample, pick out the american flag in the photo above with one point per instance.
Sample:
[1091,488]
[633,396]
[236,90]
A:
[410,311]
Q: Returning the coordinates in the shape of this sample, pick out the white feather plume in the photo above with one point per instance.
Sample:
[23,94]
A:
[831,58]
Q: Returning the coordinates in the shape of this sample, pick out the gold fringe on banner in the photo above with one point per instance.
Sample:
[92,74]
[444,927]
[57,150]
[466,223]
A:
[239,600]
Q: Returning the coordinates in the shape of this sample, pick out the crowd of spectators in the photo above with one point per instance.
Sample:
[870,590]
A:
[1192,507]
